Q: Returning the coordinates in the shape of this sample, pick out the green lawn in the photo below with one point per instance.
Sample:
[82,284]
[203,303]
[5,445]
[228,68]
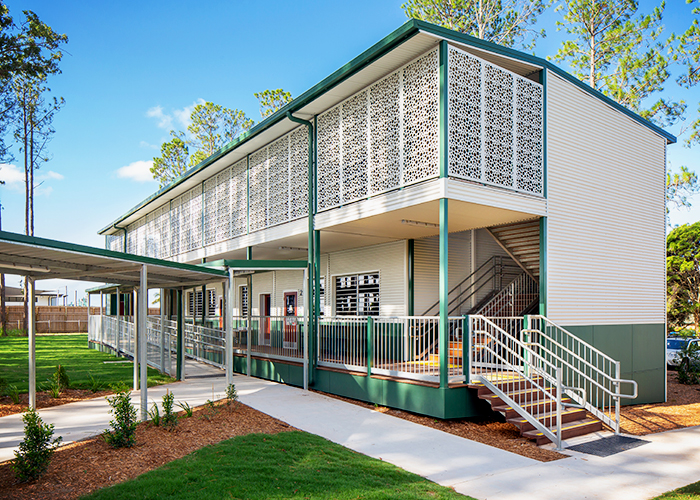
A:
[284,465]
[690,492]
[72,352]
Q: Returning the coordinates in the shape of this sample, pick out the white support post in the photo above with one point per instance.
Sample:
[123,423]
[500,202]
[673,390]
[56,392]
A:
[31,324]
[249,324]
[162,330]
[142,325]
[307,319]
[228,306]
[135,348]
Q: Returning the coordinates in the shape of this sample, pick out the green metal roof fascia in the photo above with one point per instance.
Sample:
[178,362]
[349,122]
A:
[35,241]
[406,31]
[514,54]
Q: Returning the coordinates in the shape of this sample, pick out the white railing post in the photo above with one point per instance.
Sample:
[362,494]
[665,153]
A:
[617,398]
[560,387]
[162,330]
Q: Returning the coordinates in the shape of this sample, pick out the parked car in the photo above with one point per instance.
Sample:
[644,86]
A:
[674,346]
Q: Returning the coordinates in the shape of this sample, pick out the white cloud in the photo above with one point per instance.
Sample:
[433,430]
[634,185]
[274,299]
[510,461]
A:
[43,191]
[139,171]
[10,174]
[164,121]
[144,144]
[178,116]
[50,175]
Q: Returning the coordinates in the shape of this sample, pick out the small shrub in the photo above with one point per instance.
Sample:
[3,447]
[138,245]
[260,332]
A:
[124,423]
[186,408]
[154,415]
[95,384]
[169,416]
[689,366]
[35,451]
[231,396]
[13,392]
[60,378]
[210,410]
[53,388]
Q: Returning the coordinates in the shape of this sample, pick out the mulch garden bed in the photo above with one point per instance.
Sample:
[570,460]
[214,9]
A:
[44,400]
[84,466]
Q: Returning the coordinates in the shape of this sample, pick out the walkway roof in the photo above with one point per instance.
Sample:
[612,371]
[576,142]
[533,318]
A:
[41,258]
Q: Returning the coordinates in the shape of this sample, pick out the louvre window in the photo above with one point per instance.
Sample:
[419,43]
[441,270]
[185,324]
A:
[244,300]
[357,295]
[194,303]
[211,302]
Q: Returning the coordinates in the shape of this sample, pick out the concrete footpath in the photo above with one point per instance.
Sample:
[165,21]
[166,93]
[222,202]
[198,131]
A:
[669,461]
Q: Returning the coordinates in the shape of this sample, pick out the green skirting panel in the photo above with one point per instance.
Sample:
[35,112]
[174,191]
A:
[641,351]
[271,369]
[453,402]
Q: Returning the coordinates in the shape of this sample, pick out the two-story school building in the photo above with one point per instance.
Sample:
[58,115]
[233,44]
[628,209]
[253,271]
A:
[432,178]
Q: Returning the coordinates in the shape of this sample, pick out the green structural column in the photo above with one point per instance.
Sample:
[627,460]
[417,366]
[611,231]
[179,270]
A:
[311,270]
[443,331]
[180,337]
[411,275]
[443,119]
[543,266]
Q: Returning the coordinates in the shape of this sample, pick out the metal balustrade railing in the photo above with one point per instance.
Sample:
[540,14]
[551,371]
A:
[532,364]
[514,299]
[596,374]
[205,344]
[517,375]
[342,342]
[276,337]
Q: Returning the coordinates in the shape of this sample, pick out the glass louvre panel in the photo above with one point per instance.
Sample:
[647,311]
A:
[194,303]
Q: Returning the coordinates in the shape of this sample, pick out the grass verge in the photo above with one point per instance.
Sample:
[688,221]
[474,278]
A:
[72,352]
[690,492]
[284,465]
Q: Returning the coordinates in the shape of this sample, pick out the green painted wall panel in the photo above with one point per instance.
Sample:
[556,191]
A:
[640,350]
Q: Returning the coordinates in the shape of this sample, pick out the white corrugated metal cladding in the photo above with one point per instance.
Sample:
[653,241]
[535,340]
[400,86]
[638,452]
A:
[606,218]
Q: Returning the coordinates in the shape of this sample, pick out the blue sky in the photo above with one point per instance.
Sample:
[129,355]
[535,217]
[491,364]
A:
[133,69]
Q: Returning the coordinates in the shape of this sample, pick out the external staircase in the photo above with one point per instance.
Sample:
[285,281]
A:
[543,379]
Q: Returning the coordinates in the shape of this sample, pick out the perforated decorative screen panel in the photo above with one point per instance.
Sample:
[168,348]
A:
[162,227]
[150,236]
[258,190]
[210,210]
[420,119]
[239,198]
[385,134]
[194,236]
[355,148]
[299,173]
[278,184]
[495,124]
[329,159]
[115,242]
[176,221]
[381,138]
